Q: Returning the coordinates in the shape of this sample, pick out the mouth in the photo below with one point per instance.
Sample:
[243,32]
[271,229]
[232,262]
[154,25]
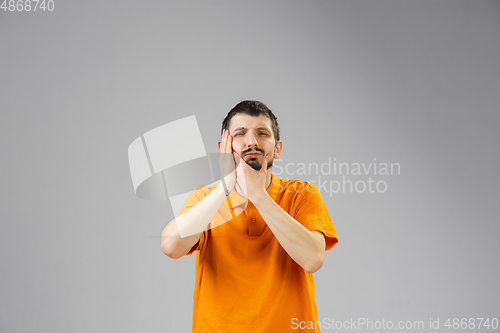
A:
[252,155]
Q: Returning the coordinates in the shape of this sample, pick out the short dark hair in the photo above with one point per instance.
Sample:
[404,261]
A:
[255,109]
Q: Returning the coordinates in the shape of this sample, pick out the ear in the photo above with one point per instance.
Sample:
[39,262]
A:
[277,152]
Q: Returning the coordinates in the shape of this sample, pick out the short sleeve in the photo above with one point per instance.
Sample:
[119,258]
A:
[312,213]
[195,197]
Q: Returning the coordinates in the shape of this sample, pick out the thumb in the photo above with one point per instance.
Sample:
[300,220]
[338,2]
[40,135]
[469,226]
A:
[264,165]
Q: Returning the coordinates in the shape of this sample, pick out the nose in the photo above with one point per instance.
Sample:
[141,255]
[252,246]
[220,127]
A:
[251,140]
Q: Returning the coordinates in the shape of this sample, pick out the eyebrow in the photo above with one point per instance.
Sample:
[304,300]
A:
[259,128]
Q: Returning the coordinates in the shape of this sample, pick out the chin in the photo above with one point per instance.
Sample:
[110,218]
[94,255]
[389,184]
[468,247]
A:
[257,165]
[254,164]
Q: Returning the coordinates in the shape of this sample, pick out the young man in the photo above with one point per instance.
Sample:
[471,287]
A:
[253,272]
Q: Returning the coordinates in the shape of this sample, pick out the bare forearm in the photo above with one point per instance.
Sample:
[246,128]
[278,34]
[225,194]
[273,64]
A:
[303,246]
[182,233]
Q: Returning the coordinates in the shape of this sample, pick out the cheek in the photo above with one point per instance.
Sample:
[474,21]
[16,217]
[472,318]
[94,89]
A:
[237,146]
[271,148]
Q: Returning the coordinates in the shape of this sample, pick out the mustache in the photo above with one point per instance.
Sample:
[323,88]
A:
[252,151]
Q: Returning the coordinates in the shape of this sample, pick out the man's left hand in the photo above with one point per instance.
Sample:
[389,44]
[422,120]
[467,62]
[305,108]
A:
[251,183]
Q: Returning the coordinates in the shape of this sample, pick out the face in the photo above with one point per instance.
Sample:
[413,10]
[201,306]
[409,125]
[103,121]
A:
[253,138]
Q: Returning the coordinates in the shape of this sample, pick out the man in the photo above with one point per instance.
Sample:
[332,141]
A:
[253,272]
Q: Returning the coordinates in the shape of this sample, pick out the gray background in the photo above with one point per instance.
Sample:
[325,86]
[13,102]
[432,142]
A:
[413,82]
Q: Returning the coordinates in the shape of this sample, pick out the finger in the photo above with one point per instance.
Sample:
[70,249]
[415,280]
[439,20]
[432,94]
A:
[223,142]
[240,161]
[243,163]
[237,158]
[240,167]
[229,145]
[235,153]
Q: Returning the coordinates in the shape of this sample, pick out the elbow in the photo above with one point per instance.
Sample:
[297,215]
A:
[313,265]
[313,268]
[169,249]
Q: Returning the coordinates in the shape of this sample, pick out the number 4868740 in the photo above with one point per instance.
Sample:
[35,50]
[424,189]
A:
[27,5]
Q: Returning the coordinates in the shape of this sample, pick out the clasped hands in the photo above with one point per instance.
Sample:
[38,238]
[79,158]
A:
[237,174]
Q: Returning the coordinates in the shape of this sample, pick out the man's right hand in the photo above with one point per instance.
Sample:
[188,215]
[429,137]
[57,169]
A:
[227,166]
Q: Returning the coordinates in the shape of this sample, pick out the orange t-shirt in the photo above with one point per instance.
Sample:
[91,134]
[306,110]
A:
[245,281]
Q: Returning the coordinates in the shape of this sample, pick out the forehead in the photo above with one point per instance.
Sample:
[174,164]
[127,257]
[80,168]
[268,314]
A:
[247,121]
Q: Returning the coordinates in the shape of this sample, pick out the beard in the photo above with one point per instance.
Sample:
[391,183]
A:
[256,165]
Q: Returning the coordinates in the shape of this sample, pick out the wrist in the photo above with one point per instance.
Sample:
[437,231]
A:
[260,199]
[227,187]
